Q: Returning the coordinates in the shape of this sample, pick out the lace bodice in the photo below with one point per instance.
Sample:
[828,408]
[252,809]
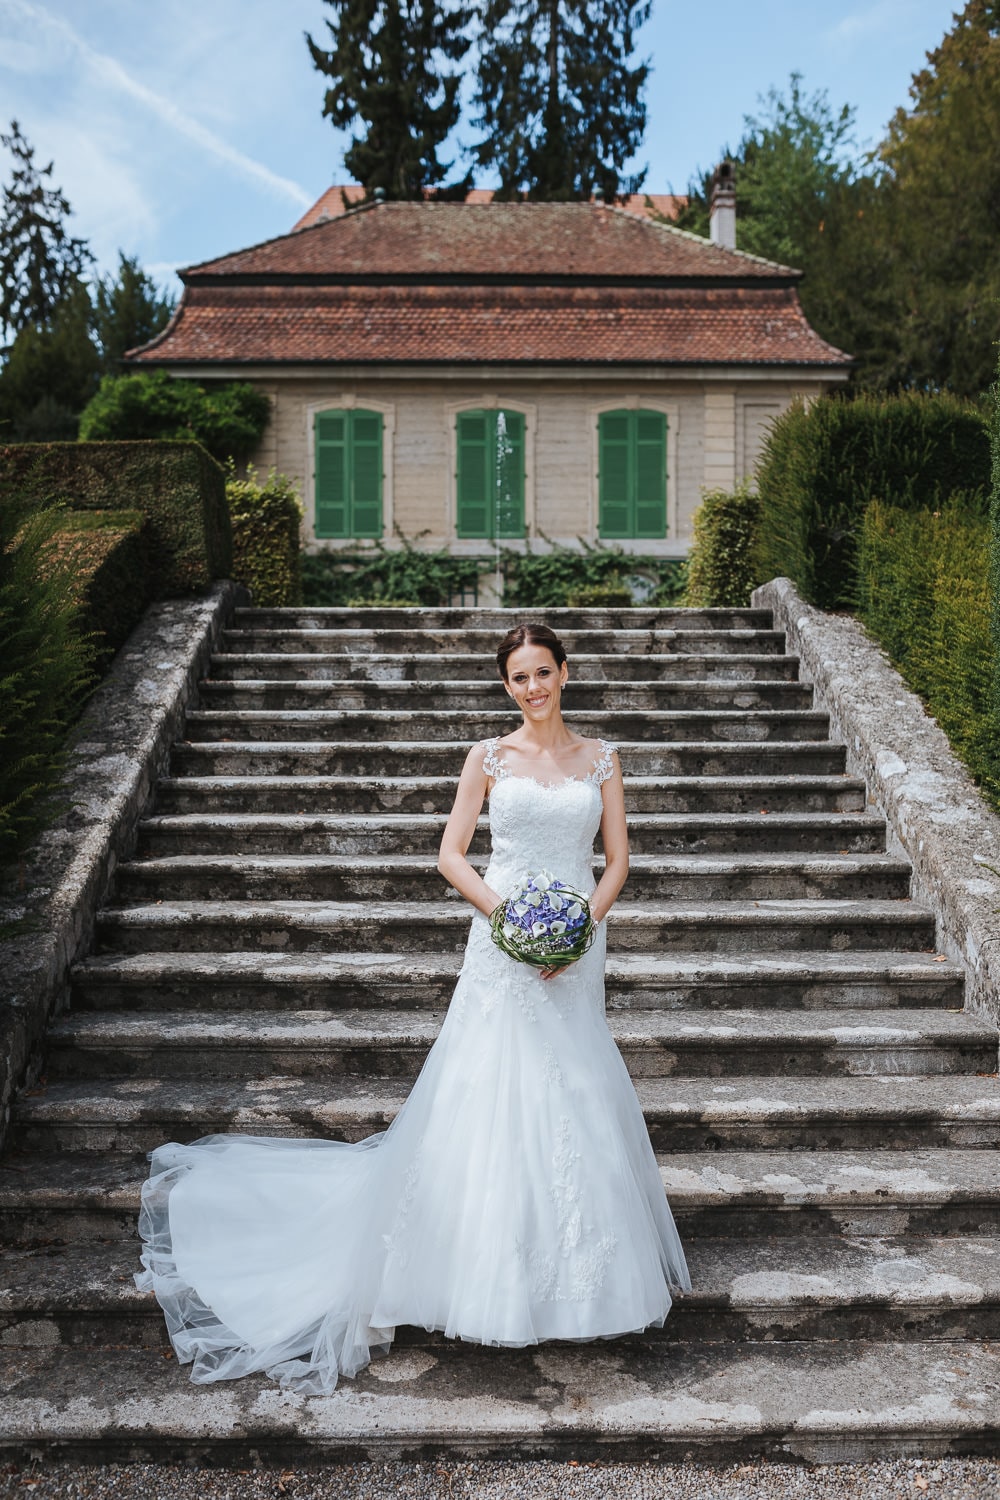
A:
[537,825]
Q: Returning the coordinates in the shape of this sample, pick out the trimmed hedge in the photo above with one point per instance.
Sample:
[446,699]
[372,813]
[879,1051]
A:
[924,594]
[178,487]
[994,552]
[227,419]
[267,551]
[722,566]
[824,463]
[104,557]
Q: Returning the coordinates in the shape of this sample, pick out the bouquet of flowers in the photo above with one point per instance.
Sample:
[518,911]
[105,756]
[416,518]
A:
[544,923]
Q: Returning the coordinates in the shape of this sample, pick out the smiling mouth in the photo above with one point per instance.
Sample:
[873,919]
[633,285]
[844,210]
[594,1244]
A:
[537,702]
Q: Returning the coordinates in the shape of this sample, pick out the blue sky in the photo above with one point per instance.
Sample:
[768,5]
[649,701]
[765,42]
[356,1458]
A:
[184,128]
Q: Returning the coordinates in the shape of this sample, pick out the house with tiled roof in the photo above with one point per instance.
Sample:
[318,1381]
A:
[460,372]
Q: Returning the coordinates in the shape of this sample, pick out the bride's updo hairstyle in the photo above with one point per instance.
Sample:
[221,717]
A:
[529,635]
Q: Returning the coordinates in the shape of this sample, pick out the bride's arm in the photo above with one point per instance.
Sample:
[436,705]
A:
[614,835]
[458,832]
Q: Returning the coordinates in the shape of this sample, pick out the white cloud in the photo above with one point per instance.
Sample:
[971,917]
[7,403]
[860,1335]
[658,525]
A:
[860,25]
[111,74]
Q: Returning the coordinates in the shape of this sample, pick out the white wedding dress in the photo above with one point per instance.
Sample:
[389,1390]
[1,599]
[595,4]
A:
[515,1197]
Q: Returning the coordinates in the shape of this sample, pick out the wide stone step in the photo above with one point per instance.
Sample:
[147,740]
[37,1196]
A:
[872,980]
[78,1197]
[368,725]
[394,1044]
[746,1291]
[481,644]
[492,621]
[682,1114]
[435,926]
[416,833]
[436,666]
[429,794]
[414,877]
[825,1402]
[480,695]
[445,758]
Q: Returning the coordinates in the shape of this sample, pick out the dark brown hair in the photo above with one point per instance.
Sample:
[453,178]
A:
[529,635]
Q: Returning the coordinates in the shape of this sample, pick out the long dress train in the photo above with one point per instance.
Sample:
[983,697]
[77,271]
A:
[515,1197]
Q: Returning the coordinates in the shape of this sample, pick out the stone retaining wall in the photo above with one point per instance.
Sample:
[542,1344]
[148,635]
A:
[936,816]
[118,751]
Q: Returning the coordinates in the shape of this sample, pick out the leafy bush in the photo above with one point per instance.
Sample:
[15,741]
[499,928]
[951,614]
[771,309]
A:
[722,566]
[600,596]
[822,465]
[103,556]
[383,576]
[267,554]
[994,552]
[228,420]
[549,580]
[178,488]
[45,675]
[923,592]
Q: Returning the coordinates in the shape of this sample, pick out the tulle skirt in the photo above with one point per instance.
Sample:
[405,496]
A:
[514,1198]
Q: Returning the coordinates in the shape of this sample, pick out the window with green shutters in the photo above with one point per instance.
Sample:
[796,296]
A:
[632,473]
[349,474]
[490,474]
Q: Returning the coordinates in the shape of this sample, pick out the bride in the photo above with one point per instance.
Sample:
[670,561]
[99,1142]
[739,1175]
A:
[515,1197]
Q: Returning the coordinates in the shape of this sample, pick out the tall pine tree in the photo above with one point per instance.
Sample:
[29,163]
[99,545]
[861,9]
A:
[40,261]
[388,70]
[560,96]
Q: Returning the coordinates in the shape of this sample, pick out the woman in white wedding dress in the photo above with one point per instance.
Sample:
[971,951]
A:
[515,1197]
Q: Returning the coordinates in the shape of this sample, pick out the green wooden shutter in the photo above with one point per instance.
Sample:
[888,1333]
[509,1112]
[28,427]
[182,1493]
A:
[332,506]
[614,474]
[508,467]
[472,481]
[366,473]
[650,474]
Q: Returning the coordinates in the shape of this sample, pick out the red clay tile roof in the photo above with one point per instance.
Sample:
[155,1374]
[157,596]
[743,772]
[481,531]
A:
[286,324]
[330,205]
[495,241]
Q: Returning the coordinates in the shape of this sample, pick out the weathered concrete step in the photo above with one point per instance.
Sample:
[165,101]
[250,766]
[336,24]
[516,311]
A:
[414,877]
[420,833]
[476,696]
[613,667]
[433,926]
[394,1044]
[494,621]
[445,758]
[482,644]
[682,1114]
[872,980]
[822,1402]
[377,725]
[356,795]
[746,1291]
[76,1197]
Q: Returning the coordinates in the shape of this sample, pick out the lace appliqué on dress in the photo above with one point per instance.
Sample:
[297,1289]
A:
[604,766]
[581,1269]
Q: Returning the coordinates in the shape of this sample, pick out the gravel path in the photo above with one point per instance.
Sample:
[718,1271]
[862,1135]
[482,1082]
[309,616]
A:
[902,1479]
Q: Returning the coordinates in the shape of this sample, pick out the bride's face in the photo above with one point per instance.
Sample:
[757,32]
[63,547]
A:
[535,682]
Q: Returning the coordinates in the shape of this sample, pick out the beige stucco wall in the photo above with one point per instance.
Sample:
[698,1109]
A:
[715,429]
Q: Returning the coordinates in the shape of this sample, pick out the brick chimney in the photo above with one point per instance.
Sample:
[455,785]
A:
[722,217]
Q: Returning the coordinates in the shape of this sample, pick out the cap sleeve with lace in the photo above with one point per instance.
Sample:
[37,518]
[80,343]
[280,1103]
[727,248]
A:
[604,766]
[493,763]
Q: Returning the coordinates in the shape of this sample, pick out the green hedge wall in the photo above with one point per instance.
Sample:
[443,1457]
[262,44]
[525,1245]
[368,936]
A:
[722,566]
[924,594]
[267,546]
[994,552]
[566,575]
[384,575]
[178,488]
[105,558]
[822,465]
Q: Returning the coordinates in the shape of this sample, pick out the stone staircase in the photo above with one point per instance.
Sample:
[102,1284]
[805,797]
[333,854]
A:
[277,959]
